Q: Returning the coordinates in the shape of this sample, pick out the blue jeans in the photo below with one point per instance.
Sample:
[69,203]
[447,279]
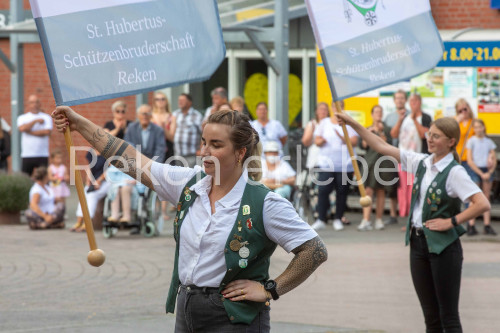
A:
[337,181]
[204,312]
[436,278]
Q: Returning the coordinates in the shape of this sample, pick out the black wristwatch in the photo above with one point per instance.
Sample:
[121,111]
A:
[270,285]
[454,221]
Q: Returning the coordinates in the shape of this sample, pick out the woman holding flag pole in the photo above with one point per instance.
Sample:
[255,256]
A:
[226,228]
[434,226]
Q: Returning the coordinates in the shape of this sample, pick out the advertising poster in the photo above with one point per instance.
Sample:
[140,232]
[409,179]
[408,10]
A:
[460,82]
[488,90]
[429,84]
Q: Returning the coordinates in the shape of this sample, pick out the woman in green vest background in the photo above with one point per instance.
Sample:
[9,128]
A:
[434,226]
[226,228]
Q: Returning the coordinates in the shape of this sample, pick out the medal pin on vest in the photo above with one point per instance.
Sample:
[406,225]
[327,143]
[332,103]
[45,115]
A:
[187,194]
[249,224]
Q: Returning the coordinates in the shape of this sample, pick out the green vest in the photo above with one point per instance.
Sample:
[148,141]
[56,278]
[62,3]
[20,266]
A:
[248,227]
[437,204]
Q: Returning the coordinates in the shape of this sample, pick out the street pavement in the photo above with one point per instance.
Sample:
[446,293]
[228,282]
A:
[46,284]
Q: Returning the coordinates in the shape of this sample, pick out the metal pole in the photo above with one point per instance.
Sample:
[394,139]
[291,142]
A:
[16,83]
[281,50]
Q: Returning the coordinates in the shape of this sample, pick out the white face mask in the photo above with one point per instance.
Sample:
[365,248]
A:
[273,159]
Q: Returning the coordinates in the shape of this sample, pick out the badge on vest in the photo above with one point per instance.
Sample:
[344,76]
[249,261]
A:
[243,263]
[244,252]
[239,226]
[246,210]
[187,194]
[235,244]
[249,224]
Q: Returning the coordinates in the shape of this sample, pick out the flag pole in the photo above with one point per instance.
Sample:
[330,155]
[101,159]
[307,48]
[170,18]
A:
[364,200]
[96,256]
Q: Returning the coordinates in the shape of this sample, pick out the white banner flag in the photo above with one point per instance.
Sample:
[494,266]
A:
[366,44]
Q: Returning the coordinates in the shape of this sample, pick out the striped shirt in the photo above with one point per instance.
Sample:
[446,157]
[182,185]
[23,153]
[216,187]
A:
[188,133]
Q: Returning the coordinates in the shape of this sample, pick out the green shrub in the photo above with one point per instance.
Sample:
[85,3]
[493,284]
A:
[14,192]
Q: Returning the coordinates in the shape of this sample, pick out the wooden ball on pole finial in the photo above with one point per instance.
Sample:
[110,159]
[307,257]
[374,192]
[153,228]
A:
[96,257]
[365,201]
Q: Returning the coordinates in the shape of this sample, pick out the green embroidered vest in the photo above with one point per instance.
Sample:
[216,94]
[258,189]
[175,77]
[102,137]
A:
[437,204]
[248,227]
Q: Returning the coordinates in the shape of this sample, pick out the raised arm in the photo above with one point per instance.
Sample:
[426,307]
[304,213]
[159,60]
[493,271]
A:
[375,142]
[123,155]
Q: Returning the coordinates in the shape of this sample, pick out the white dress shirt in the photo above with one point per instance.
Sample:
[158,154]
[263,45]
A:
[458,183]
[203,234]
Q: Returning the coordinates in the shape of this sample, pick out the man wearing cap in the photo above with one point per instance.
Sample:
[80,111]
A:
[277,174]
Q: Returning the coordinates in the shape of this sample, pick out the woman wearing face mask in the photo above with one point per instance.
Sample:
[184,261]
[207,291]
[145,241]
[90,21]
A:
[278,175]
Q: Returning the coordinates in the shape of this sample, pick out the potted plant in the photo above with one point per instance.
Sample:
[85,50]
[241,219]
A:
[14,196]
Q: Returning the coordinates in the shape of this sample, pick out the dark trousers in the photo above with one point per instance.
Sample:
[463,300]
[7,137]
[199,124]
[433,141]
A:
[332,180]
[203,311]
[30,163]
[436,278]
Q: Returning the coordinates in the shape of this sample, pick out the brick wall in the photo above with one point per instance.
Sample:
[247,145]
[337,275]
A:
[460,14]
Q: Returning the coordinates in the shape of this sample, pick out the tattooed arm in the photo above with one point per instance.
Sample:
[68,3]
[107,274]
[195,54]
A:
[308,257]
[123,155]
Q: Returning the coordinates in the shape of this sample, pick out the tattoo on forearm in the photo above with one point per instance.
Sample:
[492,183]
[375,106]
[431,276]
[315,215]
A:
[96,137]
[129,165]
[114,147]
[111,146]
[308,257]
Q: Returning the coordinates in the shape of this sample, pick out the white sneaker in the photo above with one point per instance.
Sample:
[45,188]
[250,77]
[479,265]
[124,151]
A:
[379,224]
[318,225]
[365,225]
[338,225]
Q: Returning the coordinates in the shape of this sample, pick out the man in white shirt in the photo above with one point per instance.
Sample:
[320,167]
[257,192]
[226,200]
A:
[410,129]
[268,129]
[35,127]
